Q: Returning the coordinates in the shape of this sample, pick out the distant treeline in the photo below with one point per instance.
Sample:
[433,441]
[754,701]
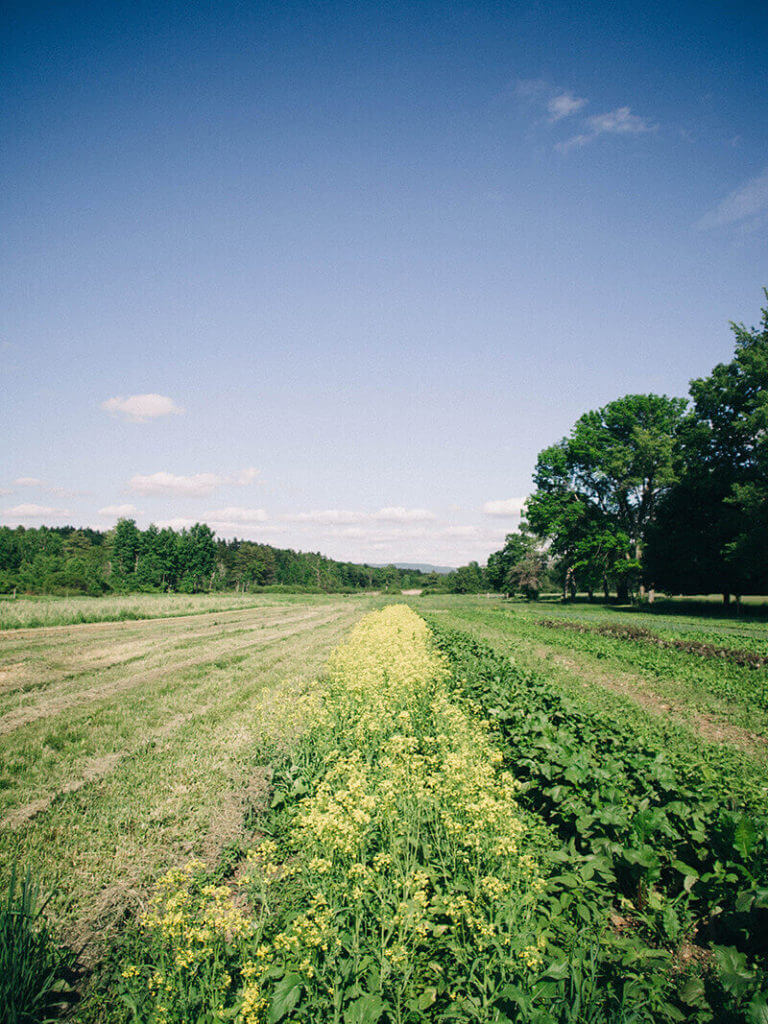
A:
[655,492]
[66,560]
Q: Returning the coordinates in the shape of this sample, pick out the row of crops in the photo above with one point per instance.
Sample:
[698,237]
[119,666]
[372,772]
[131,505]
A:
[451,840]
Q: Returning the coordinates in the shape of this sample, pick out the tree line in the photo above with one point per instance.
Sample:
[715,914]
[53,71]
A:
[652,492]
[648,492]
[66,560]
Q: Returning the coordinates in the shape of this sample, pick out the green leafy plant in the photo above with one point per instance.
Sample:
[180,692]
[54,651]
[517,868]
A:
[669,846]
[33,967]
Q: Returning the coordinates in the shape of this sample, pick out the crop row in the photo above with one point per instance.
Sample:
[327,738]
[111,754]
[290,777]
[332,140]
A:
[398,882]
[736,655]
[684,860]
[742,687]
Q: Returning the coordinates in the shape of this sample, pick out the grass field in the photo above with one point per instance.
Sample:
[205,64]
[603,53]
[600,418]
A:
[128,746]
[31,612]
[467,817]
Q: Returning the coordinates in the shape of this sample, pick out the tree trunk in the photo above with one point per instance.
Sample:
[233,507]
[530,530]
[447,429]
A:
[606,591]
[590,594]
[726,597]
[622,592]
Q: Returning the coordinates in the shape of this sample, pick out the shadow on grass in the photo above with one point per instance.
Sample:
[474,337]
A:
[703,607]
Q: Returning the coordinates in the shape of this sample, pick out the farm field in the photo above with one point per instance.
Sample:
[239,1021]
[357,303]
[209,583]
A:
[360,810]
[30,612]
[705,674]
[129,745]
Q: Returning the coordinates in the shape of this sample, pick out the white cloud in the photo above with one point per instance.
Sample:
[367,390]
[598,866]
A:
[236,525]
[244,477]
[234,514]
[341,516]
[469,532]
[559,102]
[140,408]
[34,511]
[327,515]
[748,201]
[620,121]
[506,508]
[564,105]
[179,523]
[535,89]
[27,481]
[398,514]
[198,485]
[118,510]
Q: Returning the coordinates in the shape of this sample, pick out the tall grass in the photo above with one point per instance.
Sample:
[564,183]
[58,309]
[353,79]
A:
[32,965]
[29,613]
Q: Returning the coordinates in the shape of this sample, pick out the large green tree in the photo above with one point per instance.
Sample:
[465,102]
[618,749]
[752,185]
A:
[711,532]
[597,489]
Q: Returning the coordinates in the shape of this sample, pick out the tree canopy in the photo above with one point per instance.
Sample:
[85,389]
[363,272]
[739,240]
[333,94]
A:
[659,491]
[597,489]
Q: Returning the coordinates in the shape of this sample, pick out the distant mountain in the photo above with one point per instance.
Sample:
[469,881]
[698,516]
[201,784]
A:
[422,566]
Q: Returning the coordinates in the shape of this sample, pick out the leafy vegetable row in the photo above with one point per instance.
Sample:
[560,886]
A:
[687,858]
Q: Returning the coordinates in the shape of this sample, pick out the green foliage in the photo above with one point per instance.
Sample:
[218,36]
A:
[597,489]
[519,566]
[712,529]
[33,967]
[68,561]
[681,855]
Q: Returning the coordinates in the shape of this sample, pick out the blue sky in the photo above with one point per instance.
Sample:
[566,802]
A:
[330,275]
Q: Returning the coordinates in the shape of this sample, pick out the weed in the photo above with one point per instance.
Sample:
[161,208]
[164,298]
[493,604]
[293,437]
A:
[33,967]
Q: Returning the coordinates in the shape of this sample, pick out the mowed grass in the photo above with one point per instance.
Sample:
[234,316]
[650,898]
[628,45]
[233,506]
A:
[126,747]
[712,698]
[31,612]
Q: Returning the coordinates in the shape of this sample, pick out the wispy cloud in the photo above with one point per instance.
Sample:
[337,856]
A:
[620,121]
[235,514]
[565,104]
[34,512]
[398,514]
[223,527]
[505,508]
[41,485]
[748,203]
[558,102]
[198,485]
[329,516]
[340,516]
[116,511]
[140,408]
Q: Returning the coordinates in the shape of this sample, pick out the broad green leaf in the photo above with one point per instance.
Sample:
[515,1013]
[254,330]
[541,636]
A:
[286,995]
[365,1010]
[757,1011]
[744,837]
